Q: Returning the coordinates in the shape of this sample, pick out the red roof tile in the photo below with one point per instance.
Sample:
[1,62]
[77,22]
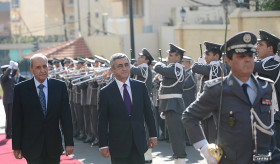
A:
[73,48]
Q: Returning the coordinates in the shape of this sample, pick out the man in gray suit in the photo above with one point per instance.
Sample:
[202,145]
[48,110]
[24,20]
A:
[171,102]
[8,84]
[245,118]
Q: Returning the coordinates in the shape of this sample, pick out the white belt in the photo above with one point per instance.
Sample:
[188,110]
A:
[169,96]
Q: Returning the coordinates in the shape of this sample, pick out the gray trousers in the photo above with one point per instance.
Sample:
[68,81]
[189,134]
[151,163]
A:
[8,110]
[80,119]
[74,119]
[94,120]
[87,121]
[176,133]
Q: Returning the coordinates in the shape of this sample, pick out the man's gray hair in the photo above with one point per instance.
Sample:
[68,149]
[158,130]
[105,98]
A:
[38,56]
[117,56]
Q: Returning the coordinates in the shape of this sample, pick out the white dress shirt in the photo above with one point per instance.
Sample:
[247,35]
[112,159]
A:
[121,88]
[45,89]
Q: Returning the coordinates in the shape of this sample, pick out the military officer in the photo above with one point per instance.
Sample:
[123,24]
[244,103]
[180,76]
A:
[8,84]
[245,118]
[189,94]
[268,67]
[143,72]
[171,101]
[190,81]
[211,70]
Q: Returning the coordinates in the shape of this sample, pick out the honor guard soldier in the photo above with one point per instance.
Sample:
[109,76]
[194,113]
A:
[190,81]
[210,70]
[268,67]
[171,100]
[8,84]
[143,72]
[245,118]
[67,61]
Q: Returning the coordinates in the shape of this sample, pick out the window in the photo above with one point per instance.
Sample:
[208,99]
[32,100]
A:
[137,7]
[15,3]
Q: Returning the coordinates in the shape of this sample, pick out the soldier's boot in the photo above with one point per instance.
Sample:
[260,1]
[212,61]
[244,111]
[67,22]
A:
[148,156]
[180,161]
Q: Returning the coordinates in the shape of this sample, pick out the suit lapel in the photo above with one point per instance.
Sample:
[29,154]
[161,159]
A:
[51,96]
[117,96]
[134,94]
[34,95]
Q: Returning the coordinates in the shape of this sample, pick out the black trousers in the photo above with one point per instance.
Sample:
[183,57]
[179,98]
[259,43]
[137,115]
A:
[133,158]
[8,110]
[44,158]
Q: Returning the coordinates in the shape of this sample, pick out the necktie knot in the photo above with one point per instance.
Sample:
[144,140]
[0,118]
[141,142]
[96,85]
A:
[124,85]
[41,86]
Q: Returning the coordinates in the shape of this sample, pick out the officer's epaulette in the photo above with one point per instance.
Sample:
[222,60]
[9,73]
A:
[213,82]
[265,79]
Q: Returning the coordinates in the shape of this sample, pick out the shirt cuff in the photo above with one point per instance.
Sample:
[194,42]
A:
[200,144]
[153,138]
[103,147]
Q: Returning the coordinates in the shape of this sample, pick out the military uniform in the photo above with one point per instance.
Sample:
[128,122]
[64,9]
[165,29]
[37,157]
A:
[243,119]
[171,102]
[143,72]
[269,68]
[210,71]
[8,84]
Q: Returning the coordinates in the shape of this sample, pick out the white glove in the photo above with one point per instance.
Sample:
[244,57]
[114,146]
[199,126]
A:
[209,158]
[200,60]
[214,62]
[11,64]
[15,65]
[276,58]
[159,63]
[162,116]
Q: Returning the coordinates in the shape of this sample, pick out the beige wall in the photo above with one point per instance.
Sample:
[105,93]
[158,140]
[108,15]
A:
[33,14]
[189,37]
[105,46]
[53,18]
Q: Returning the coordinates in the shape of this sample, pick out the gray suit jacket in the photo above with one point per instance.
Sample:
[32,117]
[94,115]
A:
[8,85]
[169,78]
[236,141]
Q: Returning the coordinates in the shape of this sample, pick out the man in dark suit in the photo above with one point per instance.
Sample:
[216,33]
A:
[8,84]
[40,105]
[124,105]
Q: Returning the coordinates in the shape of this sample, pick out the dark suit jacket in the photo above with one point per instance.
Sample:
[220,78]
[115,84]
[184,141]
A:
[31,130]
[8,84]
[116,128]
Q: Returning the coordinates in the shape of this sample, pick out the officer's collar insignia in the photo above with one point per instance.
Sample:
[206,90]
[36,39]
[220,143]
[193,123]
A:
[247,38]
[230,82]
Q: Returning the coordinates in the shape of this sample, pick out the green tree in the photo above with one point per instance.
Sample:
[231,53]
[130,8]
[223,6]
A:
[269,5]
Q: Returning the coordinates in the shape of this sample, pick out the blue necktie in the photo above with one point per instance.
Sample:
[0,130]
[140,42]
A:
[126,98]
[42,99]
[244,86]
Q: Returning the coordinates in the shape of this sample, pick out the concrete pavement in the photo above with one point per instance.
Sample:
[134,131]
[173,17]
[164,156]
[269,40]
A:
[90,155]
